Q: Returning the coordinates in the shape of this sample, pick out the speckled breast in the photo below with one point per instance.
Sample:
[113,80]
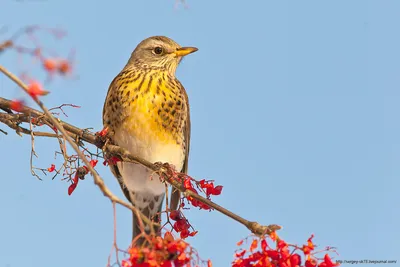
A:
[147,114]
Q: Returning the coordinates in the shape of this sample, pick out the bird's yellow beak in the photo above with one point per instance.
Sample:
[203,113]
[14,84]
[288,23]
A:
[183,51]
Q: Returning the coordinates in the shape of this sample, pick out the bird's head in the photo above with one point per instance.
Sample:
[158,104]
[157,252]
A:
[159,52]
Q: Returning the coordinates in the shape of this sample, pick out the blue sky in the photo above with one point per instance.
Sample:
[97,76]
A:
[294,109]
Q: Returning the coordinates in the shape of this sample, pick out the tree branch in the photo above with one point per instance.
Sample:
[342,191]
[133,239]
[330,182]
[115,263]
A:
[71,132]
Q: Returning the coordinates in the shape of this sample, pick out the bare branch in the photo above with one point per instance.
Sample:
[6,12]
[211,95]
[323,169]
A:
[33,152]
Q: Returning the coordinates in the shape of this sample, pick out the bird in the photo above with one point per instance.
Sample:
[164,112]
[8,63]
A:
[146,112]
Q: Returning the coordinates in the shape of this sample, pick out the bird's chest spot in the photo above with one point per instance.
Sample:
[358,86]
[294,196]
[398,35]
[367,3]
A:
[158,115]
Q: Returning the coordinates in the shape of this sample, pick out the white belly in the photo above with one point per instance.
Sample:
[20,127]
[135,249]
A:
[137,177]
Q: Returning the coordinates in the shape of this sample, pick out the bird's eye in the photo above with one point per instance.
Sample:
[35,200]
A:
[158,50]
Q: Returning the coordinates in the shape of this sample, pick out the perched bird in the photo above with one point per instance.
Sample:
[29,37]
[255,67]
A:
[146,112]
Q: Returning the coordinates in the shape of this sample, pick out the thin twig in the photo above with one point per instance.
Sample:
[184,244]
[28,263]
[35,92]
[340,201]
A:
[5,45]
[33,152]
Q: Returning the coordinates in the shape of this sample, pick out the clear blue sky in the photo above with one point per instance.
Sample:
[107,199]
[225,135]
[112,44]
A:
[295,111]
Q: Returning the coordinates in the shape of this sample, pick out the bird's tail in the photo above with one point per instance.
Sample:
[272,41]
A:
[150,205]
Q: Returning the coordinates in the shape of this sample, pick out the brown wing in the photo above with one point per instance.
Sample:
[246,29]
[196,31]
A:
[114,168]
[176,195]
